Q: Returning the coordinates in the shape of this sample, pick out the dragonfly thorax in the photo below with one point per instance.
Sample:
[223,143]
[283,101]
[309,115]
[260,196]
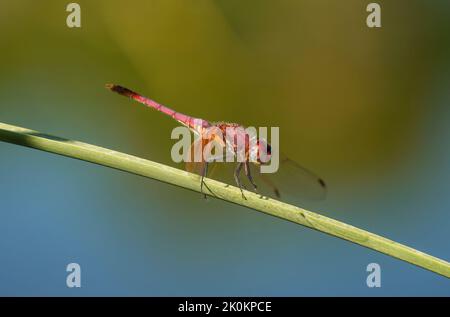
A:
[243,143]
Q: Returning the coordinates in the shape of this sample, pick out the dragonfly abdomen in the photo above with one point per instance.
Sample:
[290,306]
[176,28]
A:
[192,123]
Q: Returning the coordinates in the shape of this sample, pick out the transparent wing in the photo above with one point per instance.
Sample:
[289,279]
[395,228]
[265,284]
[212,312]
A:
[213,150]
[194,158]
[291,180]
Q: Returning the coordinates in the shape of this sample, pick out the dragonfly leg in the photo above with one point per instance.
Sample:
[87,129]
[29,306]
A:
[249,176]
[204,173]
[237,171]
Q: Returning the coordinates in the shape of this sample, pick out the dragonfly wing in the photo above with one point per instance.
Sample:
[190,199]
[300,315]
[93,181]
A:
[292,180]
[202,151]
[194,158]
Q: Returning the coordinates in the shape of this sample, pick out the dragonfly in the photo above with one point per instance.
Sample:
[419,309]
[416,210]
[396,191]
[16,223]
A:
[293,178]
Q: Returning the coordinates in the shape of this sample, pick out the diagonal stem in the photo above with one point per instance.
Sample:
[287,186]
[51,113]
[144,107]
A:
[170,175]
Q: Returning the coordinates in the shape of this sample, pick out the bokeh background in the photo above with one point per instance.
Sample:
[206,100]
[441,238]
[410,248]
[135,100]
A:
[368,109]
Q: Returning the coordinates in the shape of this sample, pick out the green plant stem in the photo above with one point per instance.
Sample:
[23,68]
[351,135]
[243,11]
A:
[167,174]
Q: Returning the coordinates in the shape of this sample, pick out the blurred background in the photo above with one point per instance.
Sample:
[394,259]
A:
[367,109]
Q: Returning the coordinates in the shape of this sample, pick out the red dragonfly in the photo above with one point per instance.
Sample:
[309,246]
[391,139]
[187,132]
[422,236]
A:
[294,179]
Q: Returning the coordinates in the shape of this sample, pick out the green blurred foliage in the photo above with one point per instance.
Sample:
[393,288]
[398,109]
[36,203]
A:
[347,98]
